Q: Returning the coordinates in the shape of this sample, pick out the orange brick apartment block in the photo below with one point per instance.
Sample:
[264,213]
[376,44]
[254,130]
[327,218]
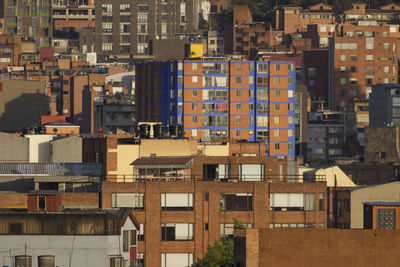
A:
[180,215]
[362,57]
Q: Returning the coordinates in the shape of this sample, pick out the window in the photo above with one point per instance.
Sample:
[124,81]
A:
[128,200]
[238,132]
[238,79]
[276,146]
[386,46]
[386,69]
[277,67]
[176,231]
[277,80]
[353,69]
[311,72]
[194,106]
[42,203]
[194,119]
[276,133]
[277,106]
[128,239]
[369,57]
[238,106]
[176,259]
[321,202]
[194,132]
[140,236]
[292,202]
[177,201]
[290,80]
[342,68]
[262,121]
[277,120]
[194,79]
[194,66]
[290,67]
[236,202]
[262,68]
[342,80]
[238,66]
[226,229]
[238,93]
[277,93]
[238,119]
[251,172]
[342,57]
[353,57]
[194,93]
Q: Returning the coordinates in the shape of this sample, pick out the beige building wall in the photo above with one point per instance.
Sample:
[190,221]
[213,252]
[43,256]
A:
[126,154]
[39,148]
[216,150]
[168,147]
[385,192]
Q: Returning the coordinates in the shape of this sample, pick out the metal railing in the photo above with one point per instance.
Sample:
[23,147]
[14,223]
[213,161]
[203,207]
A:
[220,178]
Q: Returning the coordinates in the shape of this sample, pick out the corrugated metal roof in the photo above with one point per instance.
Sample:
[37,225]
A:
[382,203]
[66,169]
[161,161]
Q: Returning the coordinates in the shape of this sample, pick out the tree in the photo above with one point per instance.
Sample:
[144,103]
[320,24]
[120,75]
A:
[218,255]
[221,253]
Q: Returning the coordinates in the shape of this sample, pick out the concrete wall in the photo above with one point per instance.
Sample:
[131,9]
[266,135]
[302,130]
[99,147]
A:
[381,144]
[13,148]
[385,192]
[67,149]
[21,104]
[326,247]
[85,250]
[39,148]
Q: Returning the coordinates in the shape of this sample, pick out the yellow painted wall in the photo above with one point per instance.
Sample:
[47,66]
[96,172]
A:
[168,147]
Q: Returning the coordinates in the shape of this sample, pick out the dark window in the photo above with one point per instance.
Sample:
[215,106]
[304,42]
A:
[206,196]
[42,203]
[236,202]
[168,233]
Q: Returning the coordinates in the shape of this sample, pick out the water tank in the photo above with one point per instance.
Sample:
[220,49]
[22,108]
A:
[144,130]
[23,261]
[46,261]
[158,131]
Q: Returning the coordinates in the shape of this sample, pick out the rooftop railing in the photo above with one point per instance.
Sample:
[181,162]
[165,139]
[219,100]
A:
[220,178]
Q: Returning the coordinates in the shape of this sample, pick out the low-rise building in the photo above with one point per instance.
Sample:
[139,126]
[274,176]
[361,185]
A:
[70,238]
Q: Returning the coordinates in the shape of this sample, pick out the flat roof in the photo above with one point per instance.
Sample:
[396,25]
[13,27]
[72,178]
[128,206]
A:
[161,162]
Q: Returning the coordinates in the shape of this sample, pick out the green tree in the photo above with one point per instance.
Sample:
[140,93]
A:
[218,255]
[221,253]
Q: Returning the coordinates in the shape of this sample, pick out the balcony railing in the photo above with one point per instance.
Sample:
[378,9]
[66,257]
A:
[128,178]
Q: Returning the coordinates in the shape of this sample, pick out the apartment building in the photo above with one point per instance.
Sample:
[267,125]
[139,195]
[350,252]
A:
[75,14]
[124,28]
[30,19]
[292,18]
[185,203]
[385,105]
[10,49]
[221,99]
